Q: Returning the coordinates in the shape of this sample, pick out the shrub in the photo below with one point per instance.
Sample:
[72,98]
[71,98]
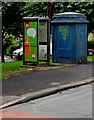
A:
[91,44]
[10,44]
[12,48]
[7,41]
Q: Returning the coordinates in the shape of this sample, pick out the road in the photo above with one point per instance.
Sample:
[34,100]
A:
[73,103]
[32,81]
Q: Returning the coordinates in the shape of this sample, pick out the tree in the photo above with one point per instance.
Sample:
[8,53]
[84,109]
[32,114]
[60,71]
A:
[49,14]
[14,11]
[12,19]
[87,8]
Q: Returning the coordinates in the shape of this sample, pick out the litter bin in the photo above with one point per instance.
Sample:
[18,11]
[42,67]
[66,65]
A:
[69,38]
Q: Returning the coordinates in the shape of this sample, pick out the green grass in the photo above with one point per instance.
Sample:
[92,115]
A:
[10,67]
[90,58]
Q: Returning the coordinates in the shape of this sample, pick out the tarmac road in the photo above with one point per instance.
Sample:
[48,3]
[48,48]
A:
[33,81]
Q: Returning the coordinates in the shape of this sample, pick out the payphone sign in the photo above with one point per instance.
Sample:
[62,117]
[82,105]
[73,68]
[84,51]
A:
[30,41]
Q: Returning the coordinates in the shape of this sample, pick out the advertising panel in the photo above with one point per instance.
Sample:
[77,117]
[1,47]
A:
[30,41]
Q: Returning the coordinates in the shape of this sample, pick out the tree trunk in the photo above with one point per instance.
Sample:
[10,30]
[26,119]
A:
[49,13]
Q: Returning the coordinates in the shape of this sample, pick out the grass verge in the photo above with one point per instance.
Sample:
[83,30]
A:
[90,58]
[10,67]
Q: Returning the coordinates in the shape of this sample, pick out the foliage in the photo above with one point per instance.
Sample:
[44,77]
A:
[12,48]
[10,44]
[12,19]
[12,13]
[9,68]
[91,44]
[87,8]
[34,9]
[7,41]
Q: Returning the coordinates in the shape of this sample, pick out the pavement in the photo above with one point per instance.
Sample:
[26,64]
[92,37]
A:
[33,84]
[72,103]
[7,59]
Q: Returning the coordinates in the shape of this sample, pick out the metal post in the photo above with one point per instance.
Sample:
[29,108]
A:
[1,34]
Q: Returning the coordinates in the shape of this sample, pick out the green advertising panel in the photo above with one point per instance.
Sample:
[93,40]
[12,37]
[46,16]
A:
[30,41]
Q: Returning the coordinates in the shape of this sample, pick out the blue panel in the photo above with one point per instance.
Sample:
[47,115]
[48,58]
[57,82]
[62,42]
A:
[82,43]
[64,53]
[55,43]
[69,39]
[64,40]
